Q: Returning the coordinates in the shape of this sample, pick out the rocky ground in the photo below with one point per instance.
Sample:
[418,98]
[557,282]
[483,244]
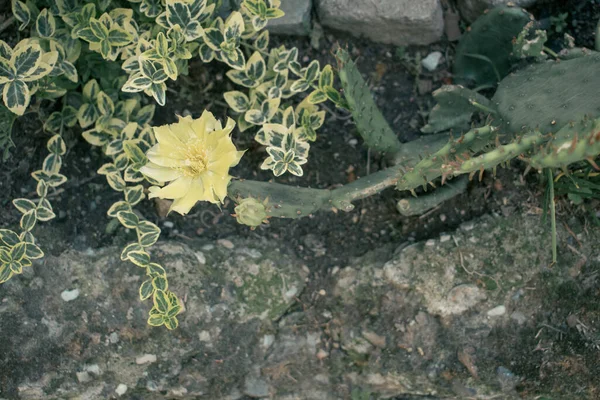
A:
[475,313]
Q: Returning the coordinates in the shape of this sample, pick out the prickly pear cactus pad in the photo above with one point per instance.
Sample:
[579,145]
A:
[550,95]
[370,123]
[484,54]
[454,108]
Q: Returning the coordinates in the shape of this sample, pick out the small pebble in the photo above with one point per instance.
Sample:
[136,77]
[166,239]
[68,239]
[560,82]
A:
[113,337]
[445,238]
[432,61]
[352,142]
[322,354]
[83,377]
[121,389]
[496,311]
[200,257]
[430,242]
[70,295]
[169,224]
[145,359]
[467,226]
[226,243]
[204,336]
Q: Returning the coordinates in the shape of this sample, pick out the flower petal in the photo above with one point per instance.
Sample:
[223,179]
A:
[166,156]
[175,190]
[159,173]
[184,204]
[164,134]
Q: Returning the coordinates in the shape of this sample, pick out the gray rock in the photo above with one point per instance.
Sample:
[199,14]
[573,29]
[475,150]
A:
[230,297]
[256,387]
[390,324]
[399,22]
[471,9]
[296,21]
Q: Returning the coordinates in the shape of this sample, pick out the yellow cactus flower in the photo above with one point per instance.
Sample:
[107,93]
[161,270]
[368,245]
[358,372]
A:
[194,155]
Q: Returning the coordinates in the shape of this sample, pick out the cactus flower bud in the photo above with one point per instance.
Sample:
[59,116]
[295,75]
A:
[251,212]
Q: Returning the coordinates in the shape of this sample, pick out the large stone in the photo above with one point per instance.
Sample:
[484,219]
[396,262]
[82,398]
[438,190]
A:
[479,315]
[90,346]
[399,22]
[297,18]
[471,9]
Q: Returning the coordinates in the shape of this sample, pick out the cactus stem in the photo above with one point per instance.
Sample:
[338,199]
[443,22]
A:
[483,107]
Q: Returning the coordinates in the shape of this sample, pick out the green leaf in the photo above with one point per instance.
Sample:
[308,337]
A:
[44,214]
[316,97]
[312,71]
[18,251]
[134,153]
[171,323]
[134,195]
[146,290]
[16,267]
[116,182]
[130,248]
[16,96]
[42,188]
[105,104]
[156,320]
[256,68]
[148,233]
[128,219]
[21,13]
[160,283]
[87,114]
[28,220]
[117,207]
[238,101]
[45,24]
[333,95]
[154,269]
[24,205]
[161,301]
[56,145]
[118,37]
[52,163]
[6,273]
[9,237]
[326,78]
[139,258]
[33,252]
[262,41]
[98,29]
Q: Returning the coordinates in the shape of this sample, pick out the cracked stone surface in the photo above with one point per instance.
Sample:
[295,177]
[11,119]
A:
[478,315]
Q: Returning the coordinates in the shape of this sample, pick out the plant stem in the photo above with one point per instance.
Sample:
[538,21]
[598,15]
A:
[286,201]
[552,214]
[551,52]
[7,23]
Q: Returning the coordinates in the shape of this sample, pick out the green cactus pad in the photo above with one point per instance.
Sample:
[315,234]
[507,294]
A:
[484,54]
[454,108]
[547,96]
[370,123]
